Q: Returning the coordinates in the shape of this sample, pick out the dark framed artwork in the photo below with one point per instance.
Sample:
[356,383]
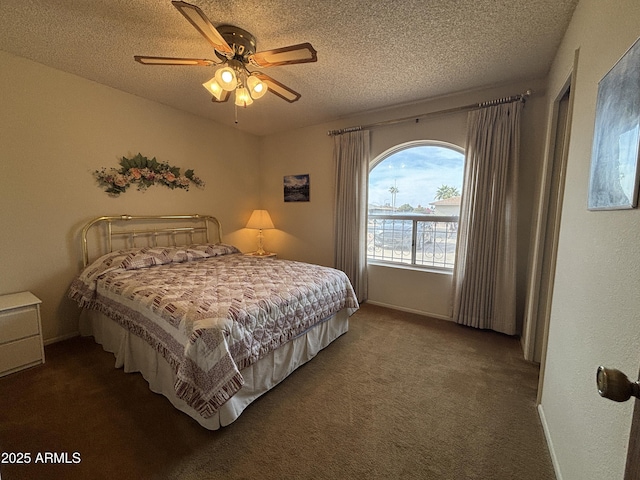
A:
[613,183]
[296,188]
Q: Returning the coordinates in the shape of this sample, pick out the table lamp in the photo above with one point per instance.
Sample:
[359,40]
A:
[260,220]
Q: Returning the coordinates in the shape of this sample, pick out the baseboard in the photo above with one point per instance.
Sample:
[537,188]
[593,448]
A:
[61,338]
[410,310]
[547,435]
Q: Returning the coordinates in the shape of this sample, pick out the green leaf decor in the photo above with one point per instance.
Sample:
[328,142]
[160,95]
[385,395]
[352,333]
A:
[144,172]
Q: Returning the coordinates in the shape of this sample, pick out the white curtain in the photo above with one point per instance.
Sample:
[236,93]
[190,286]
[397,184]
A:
[351,156]
[485,271]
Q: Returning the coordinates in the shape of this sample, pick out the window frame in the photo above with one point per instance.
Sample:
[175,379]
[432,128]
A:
[446,219]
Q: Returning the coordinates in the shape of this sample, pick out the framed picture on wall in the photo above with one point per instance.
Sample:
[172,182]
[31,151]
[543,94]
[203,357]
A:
[296,188]
[614,177]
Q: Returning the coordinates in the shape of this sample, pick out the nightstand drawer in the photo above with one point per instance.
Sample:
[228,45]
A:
[20,354]
[18,323]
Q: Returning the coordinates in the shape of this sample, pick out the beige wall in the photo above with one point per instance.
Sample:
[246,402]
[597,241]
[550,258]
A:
[594,318]
[304,231]
[55,130]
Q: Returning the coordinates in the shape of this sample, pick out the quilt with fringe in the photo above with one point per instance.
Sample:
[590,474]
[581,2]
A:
[209,310]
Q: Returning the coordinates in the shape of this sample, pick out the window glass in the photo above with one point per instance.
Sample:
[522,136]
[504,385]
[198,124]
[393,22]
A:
[414,204]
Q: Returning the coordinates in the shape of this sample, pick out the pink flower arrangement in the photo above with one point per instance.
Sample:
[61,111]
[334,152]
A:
[143,173]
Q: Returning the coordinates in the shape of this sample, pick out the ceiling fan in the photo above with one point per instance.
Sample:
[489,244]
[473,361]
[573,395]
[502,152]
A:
[235,51]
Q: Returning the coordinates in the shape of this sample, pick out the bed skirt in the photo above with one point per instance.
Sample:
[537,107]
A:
[135,355]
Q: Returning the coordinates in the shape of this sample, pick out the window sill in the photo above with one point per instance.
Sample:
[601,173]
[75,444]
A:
[415,268]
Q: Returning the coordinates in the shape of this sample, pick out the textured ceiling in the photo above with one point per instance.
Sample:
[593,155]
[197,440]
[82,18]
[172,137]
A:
[371,54]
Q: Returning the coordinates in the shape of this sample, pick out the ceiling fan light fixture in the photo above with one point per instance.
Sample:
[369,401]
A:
[235,49]
[243,99]
[214,88]
[257,88]
[226,78]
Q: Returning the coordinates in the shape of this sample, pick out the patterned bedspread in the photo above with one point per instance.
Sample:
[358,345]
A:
[211,311]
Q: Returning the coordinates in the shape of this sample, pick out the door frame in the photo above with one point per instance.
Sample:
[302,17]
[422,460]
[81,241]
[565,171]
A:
[533,315]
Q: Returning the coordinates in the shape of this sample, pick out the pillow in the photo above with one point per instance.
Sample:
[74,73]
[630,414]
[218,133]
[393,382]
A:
[84,286]
[148,257]
[215,250]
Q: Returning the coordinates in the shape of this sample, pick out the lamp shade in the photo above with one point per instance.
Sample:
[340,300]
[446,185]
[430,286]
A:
[260,220]
[243,98]
[226,78]
[214,88]
[257,88]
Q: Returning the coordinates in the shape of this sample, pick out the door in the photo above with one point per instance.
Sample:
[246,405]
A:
[632,471]
[615,385]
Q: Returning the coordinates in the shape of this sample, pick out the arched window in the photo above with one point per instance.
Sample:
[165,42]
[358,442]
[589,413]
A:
[414,203]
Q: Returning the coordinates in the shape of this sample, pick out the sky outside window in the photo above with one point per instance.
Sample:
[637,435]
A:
[417,173]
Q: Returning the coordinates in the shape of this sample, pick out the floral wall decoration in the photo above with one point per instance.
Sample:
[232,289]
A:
[143,173]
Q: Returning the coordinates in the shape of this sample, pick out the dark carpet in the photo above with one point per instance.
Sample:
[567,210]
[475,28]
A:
[398,396]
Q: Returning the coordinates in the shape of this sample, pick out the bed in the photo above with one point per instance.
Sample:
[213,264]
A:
[208,327]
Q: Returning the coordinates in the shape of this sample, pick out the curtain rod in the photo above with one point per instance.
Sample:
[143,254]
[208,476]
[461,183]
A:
[498,101]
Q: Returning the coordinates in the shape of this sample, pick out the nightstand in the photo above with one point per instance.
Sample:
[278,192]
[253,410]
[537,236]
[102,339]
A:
[264,255]
[21,343]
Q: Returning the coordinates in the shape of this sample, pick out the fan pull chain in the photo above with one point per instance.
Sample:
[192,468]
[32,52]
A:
[235,107]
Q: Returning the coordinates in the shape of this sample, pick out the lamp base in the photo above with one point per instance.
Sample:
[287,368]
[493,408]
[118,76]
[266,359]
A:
[265,255]
[260,251]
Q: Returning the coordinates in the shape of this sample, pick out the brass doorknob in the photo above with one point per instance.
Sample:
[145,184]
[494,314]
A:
[614,385]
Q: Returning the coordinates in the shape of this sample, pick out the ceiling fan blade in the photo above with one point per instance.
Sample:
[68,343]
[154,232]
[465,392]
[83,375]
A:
[301,53]
[174,61]
[278,89]
[199,20]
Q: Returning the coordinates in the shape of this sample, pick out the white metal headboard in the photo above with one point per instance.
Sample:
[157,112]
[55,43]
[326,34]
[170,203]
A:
[150,227]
